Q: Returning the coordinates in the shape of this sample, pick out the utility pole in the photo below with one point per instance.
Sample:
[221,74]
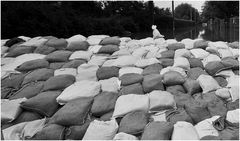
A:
[173,18]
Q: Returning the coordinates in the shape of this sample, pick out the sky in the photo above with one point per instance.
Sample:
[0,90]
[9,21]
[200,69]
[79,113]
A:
[168,4]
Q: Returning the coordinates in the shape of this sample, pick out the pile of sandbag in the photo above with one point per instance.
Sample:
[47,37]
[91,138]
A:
[111,88]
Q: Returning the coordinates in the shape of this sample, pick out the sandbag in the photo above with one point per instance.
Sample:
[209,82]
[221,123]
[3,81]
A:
[176,115]
[107,72]
[72,113]
[152,69]
[176,69]
[133,123]
[44,103]
[83,55]
[125,61]
[210,58]
[182,53]
[230,62]
[208,83]
[124,136]
[225,73]
[175,89]
[130,78]
[192,86]
[32,65]
[94,48]
[79,89]
[182,63]
[173,78]
[166,54]
[140,53]
[195,62]
[20,50]
[200,44]
[233,105]
[10,110]
[76,38]
[121,52]
[199,53]
[142,63]
[233,116]
[65,71]
[38,75]
[234,44]
[58,56]
[13,41]
[152,82]
[194,73]
[184,131]
[181,99]
[14,80]
[104,103]
[44,50]
[161,100]
[127,70]
[175,46]
[74,64]
[132,89]
[214,67]
[58,44]
[225,53]
[129,103]
[59,82]
[107,116]
[110,40]
[108,49]
[87,72]
[110,85]
[98,59]
[158,130]
[28,91]
[165,62]
[221,81]
[36,41]
[73,46]
[56,65]
[188,43]
[101,130]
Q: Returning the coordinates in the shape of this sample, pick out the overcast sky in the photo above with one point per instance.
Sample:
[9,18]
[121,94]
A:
[165,4]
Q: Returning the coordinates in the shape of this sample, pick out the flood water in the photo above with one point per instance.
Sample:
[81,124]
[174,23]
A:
[207,33]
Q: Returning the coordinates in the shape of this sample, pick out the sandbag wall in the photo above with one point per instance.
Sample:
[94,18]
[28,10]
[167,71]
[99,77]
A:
[105,88]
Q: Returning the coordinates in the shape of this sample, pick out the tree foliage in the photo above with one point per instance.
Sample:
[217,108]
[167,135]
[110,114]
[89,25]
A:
[187,12]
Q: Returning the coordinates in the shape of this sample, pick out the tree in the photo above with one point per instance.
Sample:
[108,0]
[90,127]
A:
[187,12]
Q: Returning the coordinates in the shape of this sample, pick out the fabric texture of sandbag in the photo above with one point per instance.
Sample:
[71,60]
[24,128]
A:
[192,86]
[104,103]
[84,55]
[175,115]
[184,131]
[165,62]
[152,69]
[173,78]
[73,113]
[195,62]
[199,53]
[205,127]
[182,63]
[78,90]
[110,85]
[14,80]
[233,105]
[74,64]
[20,50]
[166,54]
[98,59]
[133,123]
[194,73]
[87,72]
[214,67]
[200,44]
[58,82]
[124,136]
[158,130]
[76,38]
[221,81]
[132,89]
[29,90]
[44,103]
[140,53]
[36,41]
[32,65]
[73,46]
[65,71]
[188,43]
[11,109]
[108,49]
[126,70]
[142,63]
[129,103]
[210,58]
[57,43]
[107,116]
[152,82]
[110,40]
[101,130]
[182,53]
[121,52]
[56,65]
[130,78]
[225,73]
[225,53]
[50,132]
[125,61]
[159,116]
[208,83]
[107,72]
[38,75]
[44,50]
[233,116]
[175,89]
[223,93]
[58,56]
[175,46]
[161,100]
[13,41]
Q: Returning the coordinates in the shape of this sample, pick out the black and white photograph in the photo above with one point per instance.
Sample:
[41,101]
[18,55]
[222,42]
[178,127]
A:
[120,70]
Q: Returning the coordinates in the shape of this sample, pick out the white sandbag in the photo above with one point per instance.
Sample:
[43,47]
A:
[124,136]
[79,89]
[101,130]
[142,63]
[126,70]
[159,41]
[110,85]
[188,43]
[218,45]
[234,92]
[24,130]
[199,53]
[235,52]
[98,60]
[94,48]
[87,72]
[76,38]
[205,127]
[125,39]
[233,116]
[4,50]
[181,62]
[161,100]
[184,131]
[225,53]
[225,73]
[121,52]
[210,58]
[94,41]
[7,60]
[36,41]
[11,109]
[109,63]
[171,41]
[63,71]
[129,103]
[3,41]
[208,83]
[171,68]
[133,44]
[159,116]
[224,93]
[24,38]
[182,53]
[140,52]
[84,55]
[125,61]
[146,41]
[233,85]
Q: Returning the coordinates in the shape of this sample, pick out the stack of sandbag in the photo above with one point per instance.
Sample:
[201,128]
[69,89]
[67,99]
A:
[104,87]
